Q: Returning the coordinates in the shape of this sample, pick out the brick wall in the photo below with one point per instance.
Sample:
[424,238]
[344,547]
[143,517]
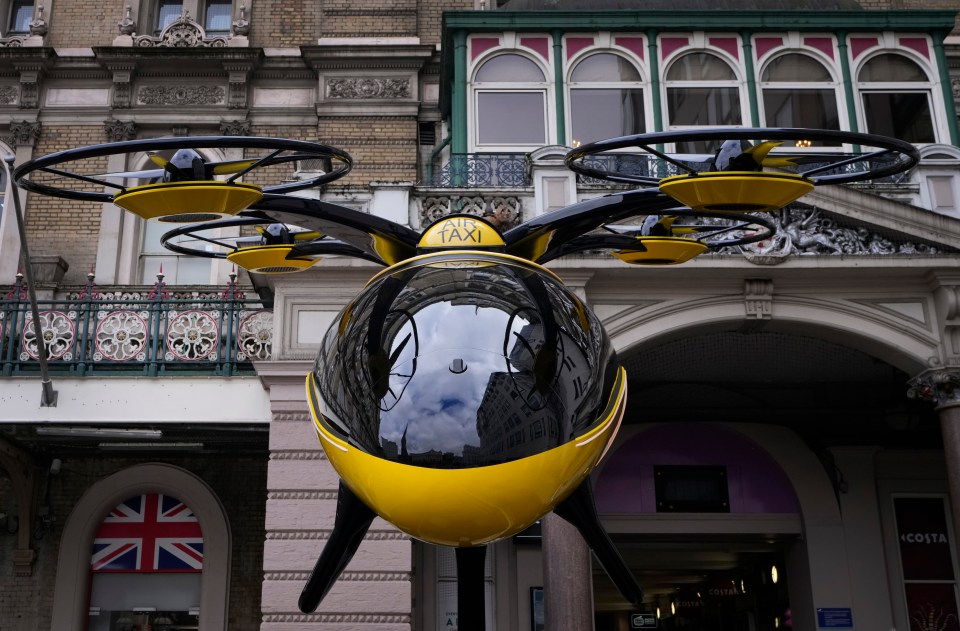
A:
[431,15]
[284,23]
[384,148]
[239,482]
[64,227]
[75,23]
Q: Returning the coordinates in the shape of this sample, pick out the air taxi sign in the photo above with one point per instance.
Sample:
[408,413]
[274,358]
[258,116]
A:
[461,232]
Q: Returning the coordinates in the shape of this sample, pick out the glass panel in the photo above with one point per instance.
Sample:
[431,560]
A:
[513,68]
[599,114]
[218,16]
[905,116]
[167,12]
[812,109]
[889,68]
[605,67]
[703,106]
[144,601]
[795,68]
[700,67]
[511,118]
[21,14]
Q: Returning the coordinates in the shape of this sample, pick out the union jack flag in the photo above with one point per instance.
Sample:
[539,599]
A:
[149,533]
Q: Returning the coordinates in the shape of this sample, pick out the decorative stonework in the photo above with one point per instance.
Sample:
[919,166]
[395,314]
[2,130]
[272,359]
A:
[9,94]
[58,329]
[181,95]
[434,208]
[121,336]
[181,33]
[240,26]
[955,84]
[367,88]
[940,386]
[12,42]
[802,230]
[38,27]
[758,298]
[255,335]
[25,132]
[127,25]
[29,88]
[118,131]
[192,336]
[235,128]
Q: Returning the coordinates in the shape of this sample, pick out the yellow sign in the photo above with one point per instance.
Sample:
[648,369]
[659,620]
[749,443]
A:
[461,232]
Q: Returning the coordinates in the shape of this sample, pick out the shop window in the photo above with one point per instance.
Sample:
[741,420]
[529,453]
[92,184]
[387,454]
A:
[606,99]
[510,103]
[21,14]
[895,94]
[798,91]
[146,563]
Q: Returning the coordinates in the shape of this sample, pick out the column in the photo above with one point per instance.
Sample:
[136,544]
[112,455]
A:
[567,577]
[941,386]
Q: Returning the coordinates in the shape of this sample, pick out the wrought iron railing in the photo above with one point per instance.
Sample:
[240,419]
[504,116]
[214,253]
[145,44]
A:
[484,169]
[152,332]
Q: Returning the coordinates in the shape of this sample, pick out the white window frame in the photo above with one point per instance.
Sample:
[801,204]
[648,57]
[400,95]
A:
[937,113]
[570,85]
[738,83]
[475,88]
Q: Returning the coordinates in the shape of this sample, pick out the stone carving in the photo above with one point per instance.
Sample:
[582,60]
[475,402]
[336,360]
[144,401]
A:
[181,95]
[15,41]
[956,88]
[181,33]
[367,88]
[758,298]
[940,386]
[235,128]
[237,99]
[126,25]
[433,208]
[120,130]
[241,27]
[806,231]
[25,132]
[29,89]
[38,27]
[9,94]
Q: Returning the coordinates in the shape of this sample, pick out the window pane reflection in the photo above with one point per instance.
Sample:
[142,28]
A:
[700,67]
[905,116]
[167,13]
[812,109]
[21,14]
[887,68]
[605,67]
[597,114]
[511,118]
[218,16]
[796,68]
[509,68]
[703,106]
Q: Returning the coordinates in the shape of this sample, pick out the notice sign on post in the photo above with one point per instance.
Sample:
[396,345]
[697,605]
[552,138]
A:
[643,621]
[834,618]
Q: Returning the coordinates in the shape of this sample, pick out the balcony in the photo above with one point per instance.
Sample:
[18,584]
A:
[152,332]
[508,170]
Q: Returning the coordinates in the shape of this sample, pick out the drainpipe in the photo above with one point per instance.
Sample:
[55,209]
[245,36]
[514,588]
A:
[433,156]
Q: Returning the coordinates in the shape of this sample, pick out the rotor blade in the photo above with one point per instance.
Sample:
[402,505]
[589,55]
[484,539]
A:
[580,510]
[230,166]
[144,175]
[351,524]
[158,160]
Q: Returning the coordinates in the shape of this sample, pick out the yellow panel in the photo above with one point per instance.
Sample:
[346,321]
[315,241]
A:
[461,232]
[474,506]
[153,201]
[662,251]
[736,191]
[269,259]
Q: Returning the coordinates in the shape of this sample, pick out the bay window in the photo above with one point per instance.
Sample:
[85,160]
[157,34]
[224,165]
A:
[606,99]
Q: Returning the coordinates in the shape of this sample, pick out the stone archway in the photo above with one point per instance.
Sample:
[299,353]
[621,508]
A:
[73,566]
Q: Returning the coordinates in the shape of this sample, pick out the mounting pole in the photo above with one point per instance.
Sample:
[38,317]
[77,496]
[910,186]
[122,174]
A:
[48,396]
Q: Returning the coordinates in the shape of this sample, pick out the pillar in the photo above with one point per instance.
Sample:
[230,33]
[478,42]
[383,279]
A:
[567,577]
[941,386]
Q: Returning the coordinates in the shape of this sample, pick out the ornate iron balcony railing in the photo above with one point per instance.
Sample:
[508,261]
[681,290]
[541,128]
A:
[153,332]
[509,170]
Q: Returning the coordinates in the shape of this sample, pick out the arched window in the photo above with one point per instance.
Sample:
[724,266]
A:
[606,99]
[702,89]
[510,102]
[146,563]
[798,91]
[895,93]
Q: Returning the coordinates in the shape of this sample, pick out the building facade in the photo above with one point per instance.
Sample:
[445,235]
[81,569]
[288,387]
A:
[790,456]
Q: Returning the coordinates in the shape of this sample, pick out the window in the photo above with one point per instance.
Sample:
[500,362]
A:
[218,16]
[606,99]
[510,102]
[177,269]
[798,91]
[21,14]
[702,89]
[167,12]
[895,93]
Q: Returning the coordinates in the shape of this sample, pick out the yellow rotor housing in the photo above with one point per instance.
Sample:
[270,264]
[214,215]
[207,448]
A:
[188,201]
[736,191]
